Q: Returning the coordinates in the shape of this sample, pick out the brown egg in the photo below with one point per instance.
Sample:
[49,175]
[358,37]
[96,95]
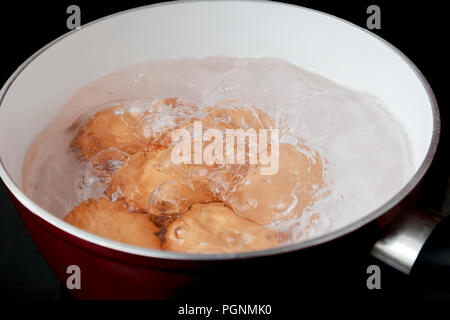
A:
[230,116]
[113,221]
[118,128]
[110,128]
[215,228]
[146,189]
[267,198]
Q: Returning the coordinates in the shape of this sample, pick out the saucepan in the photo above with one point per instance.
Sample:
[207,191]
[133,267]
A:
[316,41]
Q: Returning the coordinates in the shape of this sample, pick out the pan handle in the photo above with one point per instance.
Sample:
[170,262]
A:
[400,246]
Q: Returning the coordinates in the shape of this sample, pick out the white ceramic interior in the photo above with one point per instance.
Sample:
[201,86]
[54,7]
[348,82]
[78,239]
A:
[312,40]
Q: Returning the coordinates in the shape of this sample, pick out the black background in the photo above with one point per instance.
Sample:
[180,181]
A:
[418,29]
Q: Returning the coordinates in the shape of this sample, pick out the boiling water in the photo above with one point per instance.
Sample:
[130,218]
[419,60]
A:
[366,152]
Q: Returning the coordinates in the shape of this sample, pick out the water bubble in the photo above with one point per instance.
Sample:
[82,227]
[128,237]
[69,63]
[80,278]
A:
[252,203]
[227,88]
[181,233]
